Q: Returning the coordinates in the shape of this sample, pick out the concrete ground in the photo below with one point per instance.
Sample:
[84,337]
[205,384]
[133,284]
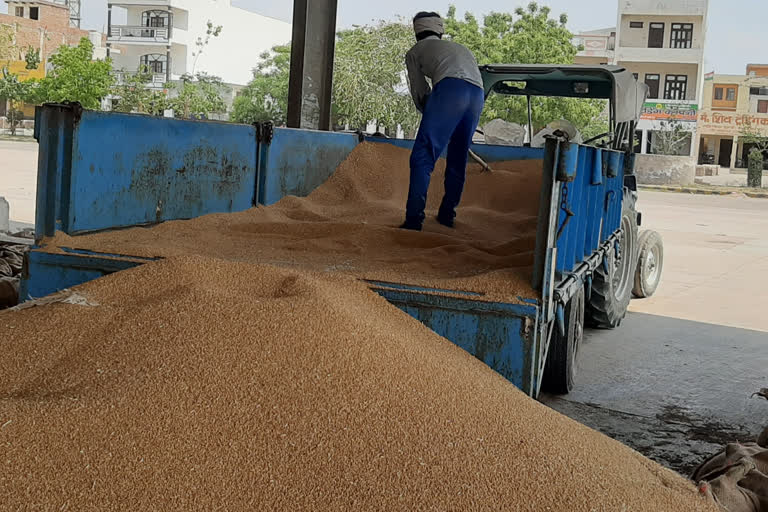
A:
[674,381]
[18,179]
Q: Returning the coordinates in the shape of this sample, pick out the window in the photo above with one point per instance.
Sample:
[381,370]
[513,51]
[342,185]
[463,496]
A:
[656,35]
[762,107]
[675,87]
[681,36]
[758,91]
[153,63]
[19,11]
[34,13]
[635,24]
[652,81]
[730,95]
[718,93]
[155,19]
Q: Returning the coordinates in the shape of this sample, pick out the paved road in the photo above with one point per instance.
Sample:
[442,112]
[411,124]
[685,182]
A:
[674,380]
[18,179]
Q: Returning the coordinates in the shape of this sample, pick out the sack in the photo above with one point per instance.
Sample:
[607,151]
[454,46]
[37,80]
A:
[737,478]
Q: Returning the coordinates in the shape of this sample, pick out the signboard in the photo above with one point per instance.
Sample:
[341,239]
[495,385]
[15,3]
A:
[728,123]
[668,111]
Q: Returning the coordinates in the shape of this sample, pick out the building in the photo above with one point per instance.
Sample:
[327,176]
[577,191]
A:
[598,47]
[42,26]
[662,43]
[733,106]
[161,35]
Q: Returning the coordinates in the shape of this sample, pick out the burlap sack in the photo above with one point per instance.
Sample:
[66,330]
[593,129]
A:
[737,478]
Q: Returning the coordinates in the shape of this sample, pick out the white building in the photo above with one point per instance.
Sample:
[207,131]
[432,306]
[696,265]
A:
[161,35]
[662,43]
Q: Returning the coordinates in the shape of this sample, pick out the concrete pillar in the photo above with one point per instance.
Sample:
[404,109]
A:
[734,151]
[644,143]
[312,50]
[5,223]
[168,63]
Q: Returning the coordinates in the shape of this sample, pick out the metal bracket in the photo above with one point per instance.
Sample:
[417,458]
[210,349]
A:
[264,132]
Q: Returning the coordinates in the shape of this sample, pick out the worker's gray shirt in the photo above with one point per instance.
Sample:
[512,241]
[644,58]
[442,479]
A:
[438,59]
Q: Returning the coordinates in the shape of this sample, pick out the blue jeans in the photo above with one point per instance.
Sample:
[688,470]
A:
[450,119]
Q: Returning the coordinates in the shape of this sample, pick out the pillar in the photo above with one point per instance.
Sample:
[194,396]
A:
[109,28]
[734,151]
[644,143]
[168,63]
[312,49]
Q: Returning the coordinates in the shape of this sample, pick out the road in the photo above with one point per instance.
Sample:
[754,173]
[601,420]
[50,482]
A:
[674,381]
[18,179]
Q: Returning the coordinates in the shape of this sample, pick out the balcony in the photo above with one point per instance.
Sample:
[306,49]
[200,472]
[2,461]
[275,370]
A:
[137,34]
[155,80]
[663,55]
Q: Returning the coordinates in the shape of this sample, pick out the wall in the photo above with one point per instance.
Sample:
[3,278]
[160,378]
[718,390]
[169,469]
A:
[638,37]
[244,37]
[665,170]
[663,69]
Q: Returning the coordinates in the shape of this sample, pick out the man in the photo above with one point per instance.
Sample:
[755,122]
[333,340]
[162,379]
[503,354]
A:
[450,113]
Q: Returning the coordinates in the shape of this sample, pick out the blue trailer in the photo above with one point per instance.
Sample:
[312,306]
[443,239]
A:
[103,171]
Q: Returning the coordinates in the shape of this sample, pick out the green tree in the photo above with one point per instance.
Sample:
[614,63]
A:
[265,98]
[197,96]
[529,36]
[75,76]
[755,158]
[671,139]
[133,95]
[369,77]
[15,93]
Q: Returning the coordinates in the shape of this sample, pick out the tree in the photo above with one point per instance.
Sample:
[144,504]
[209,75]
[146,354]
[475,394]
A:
[671,139]
[75,76]
[369,77]
[265,98]
[529,36]
[756,157]
[211,31]
[134,95]
[197,96]
[16,93]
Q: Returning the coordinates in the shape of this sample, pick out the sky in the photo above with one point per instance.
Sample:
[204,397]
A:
[736,36]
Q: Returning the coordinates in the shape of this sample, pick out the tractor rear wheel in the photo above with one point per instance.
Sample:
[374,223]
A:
[612,282]
[560,368]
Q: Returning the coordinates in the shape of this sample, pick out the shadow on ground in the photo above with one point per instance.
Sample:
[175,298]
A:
[672,389]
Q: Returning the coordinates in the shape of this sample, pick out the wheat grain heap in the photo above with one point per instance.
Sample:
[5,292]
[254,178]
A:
[349,224]
[202,384]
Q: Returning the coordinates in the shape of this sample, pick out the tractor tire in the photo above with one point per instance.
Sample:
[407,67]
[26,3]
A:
[612,282]
[560,368]
[650,263]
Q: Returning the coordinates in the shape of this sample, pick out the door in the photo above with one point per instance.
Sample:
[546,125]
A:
[652,81]
[656,35]
[726,146]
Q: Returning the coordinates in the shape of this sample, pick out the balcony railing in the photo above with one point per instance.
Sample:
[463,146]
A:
[154,81]
[126,33]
